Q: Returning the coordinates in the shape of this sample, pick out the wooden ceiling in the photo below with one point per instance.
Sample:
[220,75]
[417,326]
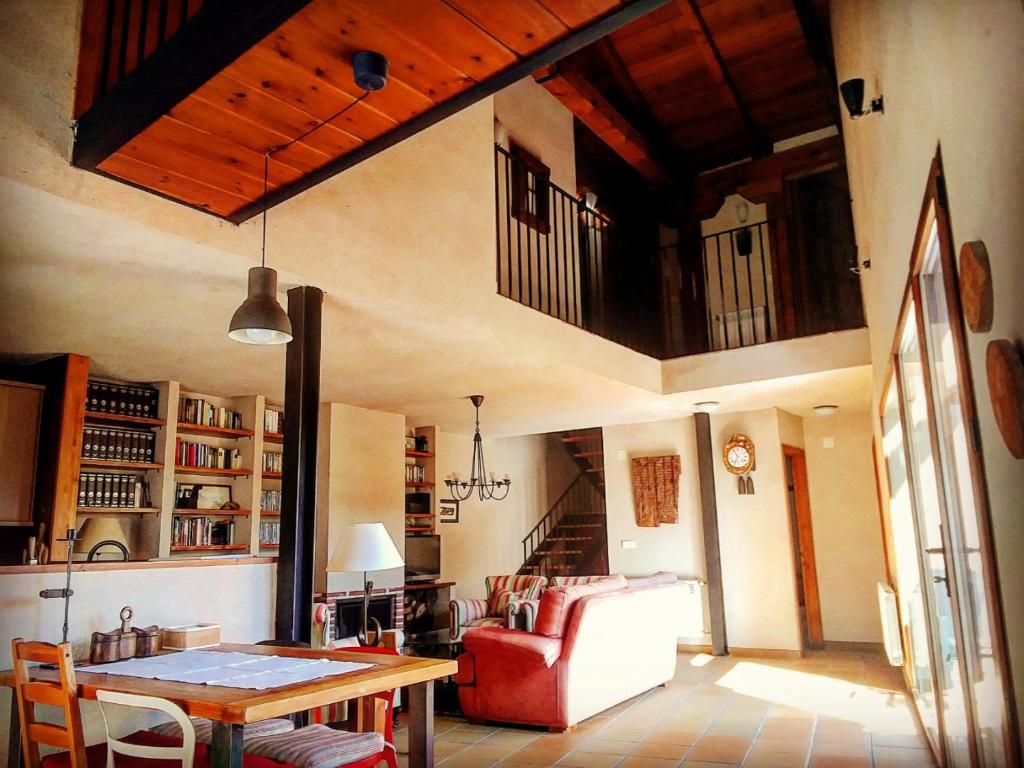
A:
[207,149]
[704,82]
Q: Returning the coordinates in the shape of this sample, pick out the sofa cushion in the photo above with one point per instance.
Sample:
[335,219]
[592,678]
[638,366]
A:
[572,581]
[517,582]
[511,646]
[556,603]
[498,604]
[657,580]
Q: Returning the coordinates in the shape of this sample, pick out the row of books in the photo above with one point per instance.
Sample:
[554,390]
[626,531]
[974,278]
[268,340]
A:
[415,473]
[273,421]
[270,501]
[99,489]
[109,444]
[122,399]
[195,410]
[272,462]
[201,455]
[201,531]
[270,533]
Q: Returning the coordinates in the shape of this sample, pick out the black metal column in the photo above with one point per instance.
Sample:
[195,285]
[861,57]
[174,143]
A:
[709,518]
[298,480]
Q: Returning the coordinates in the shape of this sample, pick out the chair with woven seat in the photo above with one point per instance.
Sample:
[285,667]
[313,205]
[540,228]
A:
[503,592]
[319,746]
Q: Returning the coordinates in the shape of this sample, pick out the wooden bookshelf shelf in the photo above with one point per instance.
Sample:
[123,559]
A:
[272,475]
[270,513]
[212,471]
[104,464]
[201,429]
[419,514]
[212,512]
[419,529]
[420,484]
[273,437]
[264,545]
[208,547]
[118,510]
[122,418]
[418,454]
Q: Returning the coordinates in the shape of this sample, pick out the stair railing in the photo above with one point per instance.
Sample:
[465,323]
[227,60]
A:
[579,498]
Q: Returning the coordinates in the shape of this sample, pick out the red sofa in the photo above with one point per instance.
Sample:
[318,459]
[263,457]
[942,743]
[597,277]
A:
[594,646]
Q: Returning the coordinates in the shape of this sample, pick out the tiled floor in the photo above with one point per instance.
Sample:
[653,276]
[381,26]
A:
[828,710]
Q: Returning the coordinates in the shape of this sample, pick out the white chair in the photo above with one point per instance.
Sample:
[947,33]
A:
[185,753]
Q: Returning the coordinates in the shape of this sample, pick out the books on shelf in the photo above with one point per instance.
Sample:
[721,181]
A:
[270,501]
[195,410]
[273,421]
[117,444]
[101,489]
[202,456]
[415,473]
[272,462]
[270,533]
[201,531]
[121,399]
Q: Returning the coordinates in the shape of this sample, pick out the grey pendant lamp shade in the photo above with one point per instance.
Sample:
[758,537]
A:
[260,319]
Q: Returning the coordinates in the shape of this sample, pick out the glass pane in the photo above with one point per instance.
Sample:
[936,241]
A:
[908,567]
[985,683]
[924,481]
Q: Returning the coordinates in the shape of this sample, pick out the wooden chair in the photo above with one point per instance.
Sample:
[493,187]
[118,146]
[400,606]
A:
[63,695]
[184,752]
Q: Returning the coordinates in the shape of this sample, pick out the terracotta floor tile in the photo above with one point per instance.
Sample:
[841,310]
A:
[902,754]
[684,737]
[590,760]
[664,751]
[510,764]
[483,749]
[699,764]
[447,748]
[617,733]
[796,744]
[838,761]
[461,736]
[768,759]
[639,761]
[537,755]
[708,754]
[907,740]
[609,746]
[724,741]
[462,760]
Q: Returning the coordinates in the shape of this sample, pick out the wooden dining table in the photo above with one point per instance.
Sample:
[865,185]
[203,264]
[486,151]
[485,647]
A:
[231,708]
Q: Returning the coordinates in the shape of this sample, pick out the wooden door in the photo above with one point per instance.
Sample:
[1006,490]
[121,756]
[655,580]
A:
[803,546]
[21,406]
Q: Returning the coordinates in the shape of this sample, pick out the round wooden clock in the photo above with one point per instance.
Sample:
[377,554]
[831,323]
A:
[738,454]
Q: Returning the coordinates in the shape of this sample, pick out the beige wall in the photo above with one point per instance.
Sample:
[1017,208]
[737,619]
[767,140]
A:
[487,540]
[238,596]
[951,74]
[847,527]
[361,479]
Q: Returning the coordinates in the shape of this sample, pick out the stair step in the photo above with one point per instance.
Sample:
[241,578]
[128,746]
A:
[589,437]
[588,454]
[567,538]
[553,552]
[578,525]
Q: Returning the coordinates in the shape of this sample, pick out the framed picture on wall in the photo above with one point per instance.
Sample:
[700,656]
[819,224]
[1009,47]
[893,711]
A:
[449,511]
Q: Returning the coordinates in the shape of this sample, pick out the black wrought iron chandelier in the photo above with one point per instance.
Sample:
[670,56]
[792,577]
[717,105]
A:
[485,486]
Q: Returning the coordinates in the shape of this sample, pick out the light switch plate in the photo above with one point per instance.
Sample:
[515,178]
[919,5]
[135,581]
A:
[621,454]
[628,544]
[828,442]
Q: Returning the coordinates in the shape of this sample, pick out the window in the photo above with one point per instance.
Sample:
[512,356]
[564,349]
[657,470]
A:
[530,190]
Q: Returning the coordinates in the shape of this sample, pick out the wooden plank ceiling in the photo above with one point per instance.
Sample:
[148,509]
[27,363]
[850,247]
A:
[708,81]
[208,150]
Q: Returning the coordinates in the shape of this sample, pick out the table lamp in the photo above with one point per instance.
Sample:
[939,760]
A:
[365,547]
[103,538]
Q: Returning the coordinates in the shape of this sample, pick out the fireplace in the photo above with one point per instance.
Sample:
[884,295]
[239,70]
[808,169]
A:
[348,614]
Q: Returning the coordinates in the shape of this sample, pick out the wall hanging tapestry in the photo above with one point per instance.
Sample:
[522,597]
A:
[656,490]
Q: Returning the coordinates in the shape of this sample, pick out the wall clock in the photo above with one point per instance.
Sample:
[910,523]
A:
[738,454]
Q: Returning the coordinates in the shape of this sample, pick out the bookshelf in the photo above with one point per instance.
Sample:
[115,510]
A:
[268,528]
[226,446]
[421,497]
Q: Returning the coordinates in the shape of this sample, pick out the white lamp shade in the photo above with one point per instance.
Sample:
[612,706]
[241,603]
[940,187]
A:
[365,547]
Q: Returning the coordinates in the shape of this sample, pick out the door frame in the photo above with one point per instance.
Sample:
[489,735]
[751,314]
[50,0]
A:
[803,533]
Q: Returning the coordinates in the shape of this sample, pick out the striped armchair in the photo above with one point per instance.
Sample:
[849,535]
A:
[522,613]
[499,608]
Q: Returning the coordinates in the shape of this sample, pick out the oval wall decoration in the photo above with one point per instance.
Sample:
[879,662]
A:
[1006,390]
[976,286]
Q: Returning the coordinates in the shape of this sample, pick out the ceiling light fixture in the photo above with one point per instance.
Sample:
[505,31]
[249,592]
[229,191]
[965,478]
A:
[485,486]
[825,410]
[260,319]
[707,406]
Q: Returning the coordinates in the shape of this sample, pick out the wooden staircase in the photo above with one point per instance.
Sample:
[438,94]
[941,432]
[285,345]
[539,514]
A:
[572,538]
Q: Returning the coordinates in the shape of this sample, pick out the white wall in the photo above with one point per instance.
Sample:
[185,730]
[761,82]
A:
[951,73]
[487,540]
[361,479]
[847,527]
[238,596]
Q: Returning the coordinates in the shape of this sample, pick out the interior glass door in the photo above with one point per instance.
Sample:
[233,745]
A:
[927,504]
[911,595]
[973,599]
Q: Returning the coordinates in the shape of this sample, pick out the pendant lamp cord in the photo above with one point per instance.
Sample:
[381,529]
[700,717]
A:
[272,150]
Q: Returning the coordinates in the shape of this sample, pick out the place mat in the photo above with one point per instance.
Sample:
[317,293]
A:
[232,669]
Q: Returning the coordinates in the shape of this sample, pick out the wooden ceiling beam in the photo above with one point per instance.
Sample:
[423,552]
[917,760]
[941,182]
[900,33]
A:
[607,123]
[716,67]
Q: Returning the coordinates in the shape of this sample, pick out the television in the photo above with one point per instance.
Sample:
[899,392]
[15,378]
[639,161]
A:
[423,558]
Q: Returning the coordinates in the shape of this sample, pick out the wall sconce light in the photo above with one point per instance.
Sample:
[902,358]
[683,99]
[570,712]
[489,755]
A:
[852,91]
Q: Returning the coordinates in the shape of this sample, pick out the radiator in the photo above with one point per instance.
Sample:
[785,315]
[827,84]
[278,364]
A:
[748,323]
[890,624]
[695,621]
